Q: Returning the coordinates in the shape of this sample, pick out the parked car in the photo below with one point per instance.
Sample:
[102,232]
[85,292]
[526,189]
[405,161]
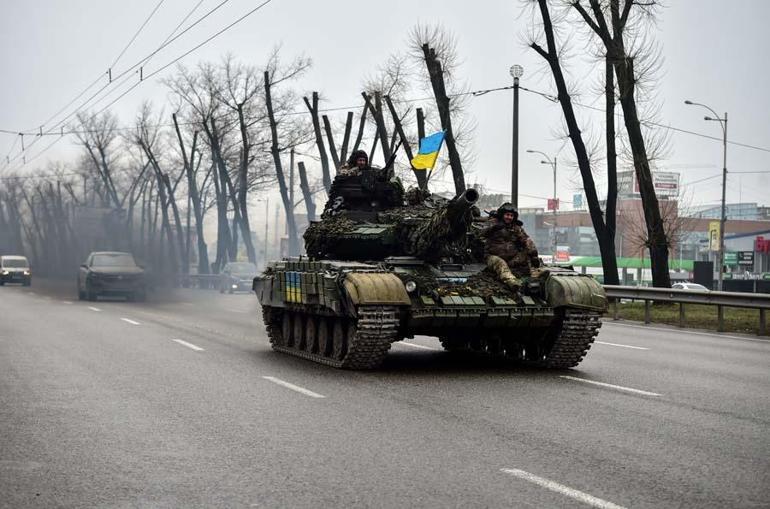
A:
[15,269]
[111,273]
[690,286]
[237,276]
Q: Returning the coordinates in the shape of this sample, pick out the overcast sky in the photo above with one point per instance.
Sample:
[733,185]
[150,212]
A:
[715,52]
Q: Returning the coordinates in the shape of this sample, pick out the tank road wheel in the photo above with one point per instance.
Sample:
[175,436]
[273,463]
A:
[298,336]
[311,334]
[287,329]
[339,340]
[324,337]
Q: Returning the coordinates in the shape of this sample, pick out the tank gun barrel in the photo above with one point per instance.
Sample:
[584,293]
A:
[447,226]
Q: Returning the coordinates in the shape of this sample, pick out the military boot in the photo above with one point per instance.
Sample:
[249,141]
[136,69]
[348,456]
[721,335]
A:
[511,281]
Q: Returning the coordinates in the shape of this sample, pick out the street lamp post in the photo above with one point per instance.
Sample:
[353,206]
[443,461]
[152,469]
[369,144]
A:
[517,72]
[552,163]
[723,218]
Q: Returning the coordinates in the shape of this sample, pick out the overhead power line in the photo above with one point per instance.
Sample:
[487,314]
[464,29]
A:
[137,33]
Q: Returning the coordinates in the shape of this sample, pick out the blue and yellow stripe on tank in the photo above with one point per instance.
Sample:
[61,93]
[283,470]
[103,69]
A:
[293,287]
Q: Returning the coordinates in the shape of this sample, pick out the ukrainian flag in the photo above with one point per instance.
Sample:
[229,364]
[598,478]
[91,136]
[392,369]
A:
[428,153]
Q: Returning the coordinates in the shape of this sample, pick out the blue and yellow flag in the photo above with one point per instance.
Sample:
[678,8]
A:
[428,153]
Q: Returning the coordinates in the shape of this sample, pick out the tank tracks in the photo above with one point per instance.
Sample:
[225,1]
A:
[574,338]
[565,345]
[339,342]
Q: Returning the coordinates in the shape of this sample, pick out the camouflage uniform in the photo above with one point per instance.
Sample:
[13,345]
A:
[509,252]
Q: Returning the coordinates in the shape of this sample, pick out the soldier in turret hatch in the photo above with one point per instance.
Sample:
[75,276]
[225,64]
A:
[509,251]
[360,187]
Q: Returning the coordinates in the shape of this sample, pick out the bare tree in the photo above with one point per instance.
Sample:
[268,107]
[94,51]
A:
[604,234]
[285,134]
[609,21]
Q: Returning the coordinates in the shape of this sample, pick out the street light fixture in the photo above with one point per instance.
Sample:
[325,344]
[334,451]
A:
[517,72]
[723,218]
[552,163]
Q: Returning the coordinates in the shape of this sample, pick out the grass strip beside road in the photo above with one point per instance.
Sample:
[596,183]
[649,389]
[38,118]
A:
[697,316]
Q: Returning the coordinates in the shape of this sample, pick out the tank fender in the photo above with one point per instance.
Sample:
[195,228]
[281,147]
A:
[575,290]
[375,288]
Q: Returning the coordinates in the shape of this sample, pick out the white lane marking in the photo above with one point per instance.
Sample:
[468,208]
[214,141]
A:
[611,386]
[622,346]
[132,322]
[237,311]
[293,387]
[560,488]
[32,293]
[414,345]
[93,308]
[188,345]
[66,302]
[685,331]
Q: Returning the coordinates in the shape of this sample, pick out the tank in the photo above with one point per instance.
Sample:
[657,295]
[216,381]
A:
[374,277]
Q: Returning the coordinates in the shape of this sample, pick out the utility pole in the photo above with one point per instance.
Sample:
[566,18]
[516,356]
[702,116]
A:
[552,164]
[723,217]
[517,72]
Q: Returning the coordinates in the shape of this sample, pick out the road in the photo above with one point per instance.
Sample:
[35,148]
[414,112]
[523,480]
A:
[180,402]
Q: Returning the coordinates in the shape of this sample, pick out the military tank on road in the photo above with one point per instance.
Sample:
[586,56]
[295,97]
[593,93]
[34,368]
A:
[374,277]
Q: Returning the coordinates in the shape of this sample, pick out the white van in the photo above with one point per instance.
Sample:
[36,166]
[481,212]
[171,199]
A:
[15,269]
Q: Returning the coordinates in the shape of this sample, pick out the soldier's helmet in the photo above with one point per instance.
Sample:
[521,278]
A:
[507,207]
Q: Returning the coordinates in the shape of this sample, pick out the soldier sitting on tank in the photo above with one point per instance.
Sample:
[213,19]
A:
[509,251]
[360,187]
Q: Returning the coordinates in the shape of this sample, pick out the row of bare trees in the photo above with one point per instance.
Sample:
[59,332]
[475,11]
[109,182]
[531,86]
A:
[230,133]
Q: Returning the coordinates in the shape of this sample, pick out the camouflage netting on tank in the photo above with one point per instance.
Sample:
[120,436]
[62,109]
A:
[319,237]
[484,284]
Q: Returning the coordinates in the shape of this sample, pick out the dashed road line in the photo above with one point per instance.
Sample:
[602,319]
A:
[188,345]
[293,387]
[93,308]
[611,386]
[560,488]
[66,302]
[414,345]
[132,322]
[621,346]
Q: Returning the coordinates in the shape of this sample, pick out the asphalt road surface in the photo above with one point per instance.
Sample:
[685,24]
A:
[180,402]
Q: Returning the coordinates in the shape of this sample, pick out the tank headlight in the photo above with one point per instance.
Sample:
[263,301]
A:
[5,272]
[26,273]
[410,286]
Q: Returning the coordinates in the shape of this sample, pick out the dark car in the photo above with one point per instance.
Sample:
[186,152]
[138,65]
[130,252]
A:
[111,273]
[15,269]
[237,276]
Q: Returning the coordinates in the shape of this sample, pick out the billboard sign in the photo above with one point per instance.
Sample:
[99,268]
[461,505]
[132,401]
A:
[553,204]
[577,201]
[666,184]
[746,258]
[714,236]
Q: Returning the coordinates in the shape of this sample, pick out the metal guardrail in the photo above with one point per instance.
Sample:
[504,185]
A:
[719,299]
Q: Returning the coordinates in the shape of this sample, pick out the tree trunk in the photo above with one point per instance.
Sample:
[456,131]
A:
[327,180]
[330,139]
[243,188]
[420,175]
[346,138]
[606,245]
[436,74]
[192,189]
[275,151]
[308,196]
